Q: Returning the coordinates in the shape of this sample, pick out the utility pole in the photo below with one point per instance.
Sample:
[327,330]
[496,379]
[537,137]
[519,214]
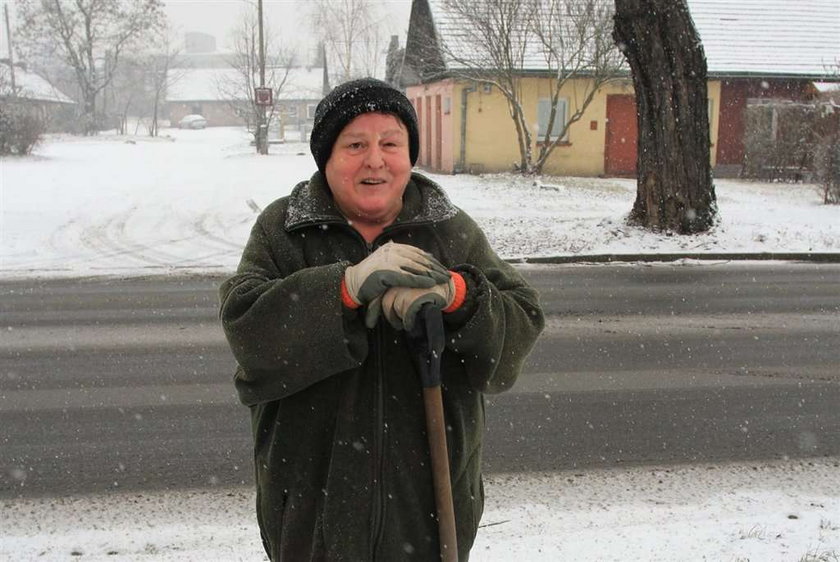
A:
[11,55]
[262,137]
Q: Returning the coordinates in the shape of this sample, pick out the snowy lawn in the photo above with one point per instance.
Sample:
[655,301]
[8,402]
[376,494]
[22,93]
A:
[763,512]
[186,202]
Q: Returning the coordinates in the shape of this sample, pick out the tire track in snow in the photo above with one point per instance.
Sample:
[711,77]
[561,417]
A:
[211,222]
[110,239]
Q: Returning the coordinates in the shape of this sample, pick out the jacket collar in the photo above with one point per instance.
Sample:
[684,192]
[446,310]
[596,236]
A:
[311,203]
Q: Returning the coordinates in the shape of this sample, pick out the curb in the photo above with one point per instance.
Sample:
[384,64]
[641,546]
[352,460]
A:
[813,257]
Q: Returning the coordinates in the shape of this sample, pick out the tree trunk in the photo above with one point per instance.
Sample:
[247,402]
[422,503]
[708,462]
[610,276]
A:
[674,186]
[522,138]
[89,125]
[153,130]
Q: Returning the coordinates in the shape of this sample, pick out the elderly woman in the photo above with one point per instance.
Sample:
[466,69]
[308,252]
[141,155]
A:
[316,314]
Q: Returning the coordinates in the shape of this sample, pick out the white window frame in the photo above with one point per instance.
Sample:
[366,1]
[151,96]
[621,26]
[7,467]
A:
[544,110]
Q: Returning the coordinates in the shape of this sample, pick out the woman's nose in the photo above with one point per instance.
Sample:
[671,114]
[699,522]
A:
[373,158]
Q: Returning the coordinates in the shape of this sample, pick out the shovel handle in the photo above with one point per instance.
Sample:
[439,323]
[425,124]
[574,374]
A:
[436,430]
[427,340]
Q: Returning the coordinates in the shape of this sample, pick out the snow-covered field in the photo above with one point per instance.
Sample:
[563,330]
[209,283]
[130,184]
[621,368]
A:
[185,204]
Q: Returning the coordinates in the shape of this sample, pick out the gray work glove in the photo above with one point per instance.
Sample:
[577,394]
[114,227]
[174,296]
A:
[400,305]
[392,265]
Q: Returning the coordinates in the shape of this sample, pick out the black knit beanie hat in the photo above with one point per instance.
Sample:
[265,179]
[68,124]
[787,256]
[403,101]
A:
[349,100]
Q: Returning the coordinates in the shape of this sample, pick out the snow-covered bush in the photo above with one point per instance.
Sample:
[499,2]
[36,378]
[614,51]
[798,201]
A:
[779,140]
[827,164]
[20,130]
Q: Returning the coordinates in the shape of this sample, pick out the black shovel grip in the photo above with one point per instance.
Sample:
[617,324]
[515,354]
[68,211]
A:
[427,340]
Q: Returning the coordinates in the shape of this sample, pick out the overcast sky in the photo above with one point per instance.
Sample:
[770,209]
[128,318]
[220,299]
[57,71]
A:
[286,17]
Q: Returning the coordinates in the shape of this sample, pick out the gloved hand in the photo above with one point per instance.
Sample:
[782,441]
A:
[392,265]
[400,305]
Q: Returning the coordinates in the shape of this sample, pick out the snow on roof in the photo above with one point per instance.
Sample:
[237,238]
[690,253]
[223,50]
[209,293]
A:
[827,87]
[203,84]
[453,32]
[30,86]
[771,37]
[742,37]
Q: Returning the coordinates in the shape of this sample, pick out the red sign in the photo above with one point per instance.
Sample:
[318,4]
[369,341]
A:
[263,96]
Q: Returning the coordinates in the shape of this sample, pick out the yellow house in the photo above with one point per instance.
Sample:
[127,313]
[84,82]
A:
[465,125]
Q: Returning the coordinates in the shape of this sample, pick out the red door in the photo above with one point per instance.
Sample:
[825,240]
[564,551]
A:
[622,135]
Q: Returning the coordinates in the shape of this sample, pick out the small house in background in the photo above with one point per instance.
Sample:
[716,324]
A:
[221,96]
[758,51]
[197,91]
[36,95]
[296,103]
[203,81]
[764,52]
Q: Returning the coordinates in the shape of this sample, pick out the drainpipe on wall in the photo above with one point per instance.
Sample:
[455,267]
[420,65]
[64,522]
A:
[462,158]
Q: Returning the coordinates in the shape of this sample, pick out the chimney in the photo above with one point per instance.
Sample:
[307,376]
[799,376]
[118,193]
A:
[325,81]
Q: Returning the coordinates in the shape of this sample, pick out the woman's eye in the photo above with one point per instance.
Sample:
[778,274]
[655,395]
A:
[354,145]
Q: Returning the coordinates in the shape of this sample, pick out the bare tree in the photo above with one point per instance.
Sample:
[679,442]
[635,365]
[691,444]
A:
[491,48]
[575,37]
[674,187]
[350,31]
[139,84]
[245,60]
[158,67]
[126,92]
[566,41]
[90,37]
[827,157]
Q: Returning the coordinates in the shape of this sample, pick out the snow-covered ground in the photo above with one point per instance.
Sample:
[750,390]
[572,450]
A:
[127,206]
[764,512]
[184,204]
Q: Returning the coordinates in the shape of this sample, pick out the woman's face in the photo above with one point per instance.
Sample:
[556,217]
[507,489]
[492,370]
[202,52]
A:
[369,168]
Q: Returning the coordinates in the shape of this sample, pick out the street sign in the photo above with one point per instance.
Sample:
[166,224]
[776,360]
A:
[263,96]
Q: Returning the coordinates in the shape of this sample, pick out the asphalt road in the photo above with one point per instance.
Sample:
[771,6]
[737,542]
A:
[126,384]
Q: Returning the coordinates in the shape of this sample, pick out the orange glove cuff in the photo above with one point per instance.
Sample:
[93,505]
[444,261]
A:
[346,299]
[460,292]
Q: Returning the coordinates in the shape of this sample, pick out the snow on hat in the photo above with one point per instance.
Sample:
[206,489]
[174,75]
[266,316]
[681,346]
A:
[349,100]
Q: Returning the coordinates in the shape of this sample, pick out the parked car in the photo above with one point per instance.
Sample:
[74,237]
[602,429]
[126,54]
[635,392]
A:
[192,121]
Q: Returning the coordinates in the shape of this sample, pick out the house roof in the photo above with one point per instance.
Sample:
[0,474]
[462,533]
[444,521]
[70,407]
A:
[740,37]
[30,86]
[207,84]
[769,37]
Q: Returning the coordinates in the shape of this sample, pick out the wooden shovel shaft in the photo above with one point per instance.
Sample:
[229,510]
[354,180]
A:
[436,430]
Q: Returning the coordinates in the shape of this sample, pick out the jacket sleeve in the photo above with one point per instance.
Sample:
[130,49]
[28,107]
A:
[289,331]
[501,322]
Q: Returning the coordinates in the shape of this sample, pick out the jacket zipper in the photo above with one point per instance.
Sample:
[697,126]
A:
[379,494]
[379,489]
[377,526]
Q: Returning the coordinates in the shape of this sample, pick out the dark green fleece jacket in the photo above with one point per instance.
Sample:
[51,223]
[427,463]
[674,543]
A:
[341,456]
